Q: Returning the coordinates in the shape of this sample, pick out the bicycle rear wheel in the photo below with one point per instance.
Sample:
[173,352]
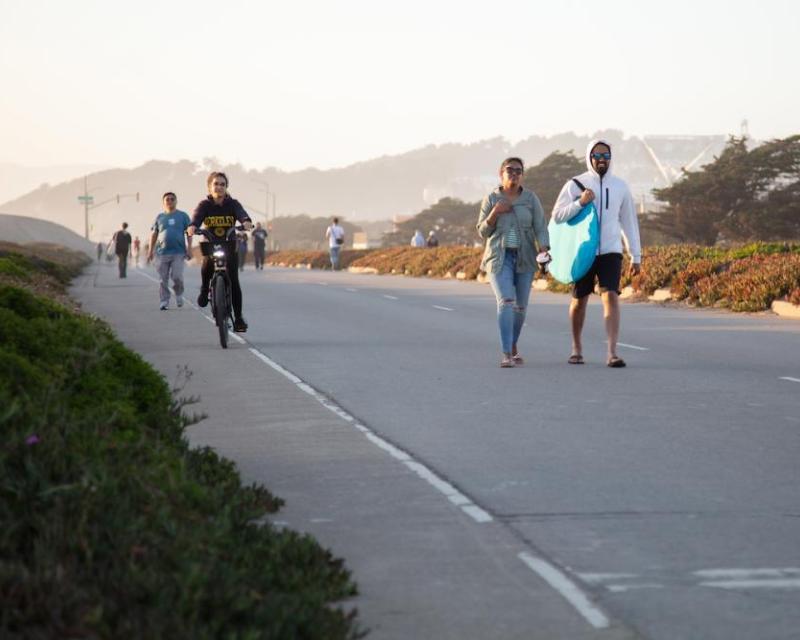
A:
[221,309]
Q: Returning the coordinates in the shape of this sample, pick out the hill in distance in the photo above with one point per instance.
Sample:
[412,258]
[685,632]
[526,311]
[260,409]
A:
[377,189]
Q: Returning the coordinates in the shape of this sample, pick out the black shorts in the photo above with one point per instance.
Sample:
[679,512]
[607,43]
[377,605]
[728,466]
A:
[607,268]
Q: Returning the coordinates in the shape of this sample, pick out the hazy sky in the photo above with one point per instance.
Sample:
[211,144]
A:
[326,83]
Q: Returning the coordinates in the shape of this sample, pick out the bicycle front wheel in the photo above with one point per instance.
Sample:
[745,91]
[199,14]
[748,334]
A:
[221,310]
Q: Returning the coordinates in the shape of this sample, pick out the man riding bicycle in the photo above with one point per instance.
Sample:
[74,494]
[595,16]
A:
[218,213]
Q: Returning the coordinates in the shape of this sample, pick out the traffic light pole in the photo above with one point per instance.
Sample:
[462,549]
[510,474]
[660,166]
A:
[88,203]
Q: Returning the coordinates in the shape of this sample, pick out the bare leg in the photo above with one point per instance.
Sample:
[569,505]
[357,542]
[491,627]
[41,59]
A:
[577,316]
[611,315]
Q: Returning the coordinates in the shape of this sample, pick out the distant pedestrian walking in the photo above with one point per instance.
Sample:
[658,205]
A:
[122,245]
[418,240]
[168,242]
[241,238]
[512,223]
[259,246]
[136,247]
[99,251]
[432,240]
[335,235]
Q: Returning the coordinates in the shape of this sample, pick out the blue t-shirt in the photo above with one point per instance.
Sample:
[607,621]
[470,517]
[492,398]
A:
[171,228]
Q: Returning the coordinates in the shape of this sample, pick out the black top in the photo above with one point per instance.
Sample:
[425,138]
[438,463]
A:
[218,218]
[259,238]
[122,241]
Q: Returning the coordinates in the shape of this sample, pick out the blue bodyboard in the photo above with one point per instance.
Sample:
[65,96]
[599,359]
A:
[573,245]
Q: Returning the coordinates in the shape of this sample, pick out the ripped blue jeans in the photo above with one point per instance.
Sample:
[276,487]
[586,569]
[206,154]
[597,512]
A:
[512,290]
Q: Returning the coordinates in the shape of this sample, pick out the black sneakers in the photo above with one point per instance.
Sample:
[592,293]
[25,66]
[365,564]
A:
[202,299]
[239,325]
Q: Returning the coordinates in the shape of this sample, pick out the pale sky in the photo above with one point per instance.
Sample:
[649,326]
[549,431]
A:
[327,83]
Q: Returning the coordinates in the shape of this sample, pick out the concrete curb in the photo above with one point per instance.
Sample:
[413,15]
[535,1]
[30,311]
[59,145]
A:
[372,270]
[660,295]
[786,309]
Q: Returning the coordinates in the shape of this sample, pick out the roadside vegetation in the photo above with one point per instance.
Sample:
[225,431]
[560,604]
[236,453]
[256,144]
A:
[747,277]
[112,526]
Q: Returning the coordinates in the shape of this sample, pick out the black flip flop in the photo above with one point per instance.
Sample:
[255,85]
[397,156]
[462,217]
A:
[616,363]
[575,359]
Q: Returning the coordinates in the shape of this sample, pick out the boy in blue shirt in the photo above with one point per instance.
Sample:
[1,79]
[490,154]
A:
[169,243]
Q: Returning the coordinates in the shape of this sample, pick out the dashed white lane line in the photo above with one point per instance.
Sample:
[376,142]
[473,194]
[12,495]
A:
[436,306]
[632,346]
[568,589]
[388,297]
[790,379]
[622,588]
[352,290]
[448,490]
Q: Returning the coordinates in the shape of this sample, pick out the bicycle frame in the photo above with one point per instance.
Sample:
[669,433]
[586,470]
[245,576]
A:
[220,280]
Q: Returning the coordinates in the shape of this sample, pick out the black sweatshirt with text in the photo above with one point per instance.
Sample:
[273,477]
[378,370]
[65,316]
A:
[218,218]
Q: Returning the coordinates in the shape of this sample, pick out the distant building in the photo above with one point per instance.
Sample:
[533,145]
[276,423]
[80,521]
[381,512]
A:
[361,241]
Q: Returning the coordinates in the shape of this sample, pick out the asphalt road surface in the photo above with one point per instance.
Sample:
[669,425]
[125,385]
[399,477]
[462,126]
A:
[664,496]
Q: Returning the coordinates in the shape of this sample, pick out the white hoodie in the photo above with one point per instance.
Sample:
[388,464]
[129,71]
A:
[614,204]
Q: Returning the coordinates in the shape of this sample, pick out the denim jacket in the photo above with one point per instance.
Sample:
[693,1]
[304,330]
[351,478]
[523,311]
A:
[528,215]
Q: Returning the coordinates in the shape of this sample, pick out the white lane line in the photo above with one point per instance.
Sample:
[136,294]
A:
[436,306]
[759,578]
[388,297]
[773,583]
[352,290]
[632,346]
[568,589]
[448,490]
[622,588]
[790,379]
[322,284]
[747,573]
[597,578]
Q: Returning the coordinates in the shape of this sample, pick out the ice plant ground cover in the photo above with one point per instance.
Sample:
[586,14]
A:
[742,278]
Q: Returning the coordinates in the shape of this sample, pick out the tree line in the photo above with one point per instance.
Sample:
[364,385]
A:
[747,193]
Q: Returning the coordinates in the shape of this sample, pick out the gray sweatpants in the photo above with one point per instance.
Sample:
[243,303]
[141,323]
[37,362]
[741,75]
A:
[170,264]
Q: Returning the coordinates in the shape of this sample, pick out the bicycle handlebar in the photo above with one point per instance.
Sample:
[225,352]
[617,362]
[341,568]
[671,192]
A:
[212,238]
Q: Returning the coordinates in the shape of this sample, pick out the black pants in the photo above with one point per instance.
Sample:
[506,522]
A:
[123,264]
[207,270]
[258,257]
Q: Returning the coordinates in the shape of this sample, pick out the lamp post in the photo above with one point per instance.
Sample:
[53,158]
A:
[266,196]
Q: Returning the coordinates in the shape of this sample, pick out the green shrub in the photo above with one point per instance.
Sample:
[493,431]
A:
[112,526]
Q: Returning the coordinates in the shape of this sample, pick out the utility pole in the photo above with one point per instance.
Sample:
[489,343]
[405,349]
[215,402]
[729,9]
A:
[271,225]
[86,199]
[266,197]
[88,203]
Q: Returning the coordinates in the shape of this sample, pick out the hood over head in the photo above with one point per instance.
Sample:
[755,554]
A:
[590,146]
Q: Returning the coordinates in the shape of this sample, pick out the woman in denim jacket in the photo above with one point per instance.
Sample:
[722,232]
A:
[513,224]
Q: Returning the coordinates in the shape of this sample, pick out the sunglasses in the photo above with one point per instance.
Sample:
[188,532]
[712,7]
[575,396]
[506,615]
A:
[604,156]
[514,171]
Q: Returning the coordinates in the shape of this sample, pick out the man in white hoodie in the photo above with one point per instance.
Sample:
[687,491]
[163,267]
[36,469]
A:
[618,225]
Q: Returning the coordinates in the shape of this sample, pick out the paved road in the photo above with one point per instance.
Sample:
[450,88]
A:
[666,493]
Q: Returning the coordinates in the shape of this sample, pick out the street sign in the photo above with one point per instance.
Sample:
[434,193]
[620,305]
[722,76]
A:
[89,199]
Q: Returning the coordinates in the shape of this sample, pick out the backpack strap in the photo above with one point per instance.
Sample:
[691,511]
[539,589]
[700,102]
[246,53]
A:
[580,185]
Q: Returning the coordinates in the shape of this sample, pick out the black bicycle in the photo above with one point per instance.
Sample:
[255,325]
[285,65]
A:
[219,290]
